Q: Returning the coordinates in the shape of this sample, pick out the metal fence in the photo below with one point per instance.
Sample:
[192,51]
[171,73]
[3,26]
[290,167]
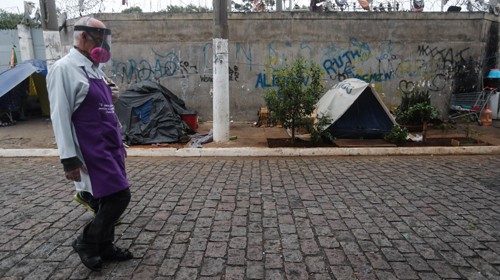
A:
[75,8]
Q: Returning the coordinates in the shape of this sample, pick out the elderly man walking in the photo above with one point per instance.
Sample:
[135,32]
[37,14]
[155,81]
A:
[89,140]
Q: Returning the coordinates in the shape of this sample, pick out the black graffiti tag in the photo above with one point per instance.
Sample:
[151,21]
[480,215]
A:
[406,86]
[438,82]
[446,56]
[187,69]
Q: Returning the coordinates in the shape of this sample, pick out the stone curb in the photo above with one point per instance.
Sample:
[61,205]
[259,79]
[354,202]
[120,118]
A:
[274,152]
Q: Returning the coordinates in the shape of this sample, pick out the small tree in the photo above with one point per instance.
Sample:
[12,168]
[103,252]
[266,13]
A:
[299,87]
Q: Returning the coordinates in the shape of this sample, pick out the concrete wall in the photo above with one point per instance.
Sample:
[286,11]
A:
[396,52]
[10,37]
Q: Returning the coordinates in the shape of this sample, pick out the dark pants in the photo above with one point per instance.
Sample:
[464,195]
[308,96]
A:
[100,232]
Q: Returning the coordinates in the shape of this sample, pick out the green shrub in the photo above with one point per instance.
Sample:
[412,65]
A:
[422,112]
[415,108]
[318,134]
[397,135]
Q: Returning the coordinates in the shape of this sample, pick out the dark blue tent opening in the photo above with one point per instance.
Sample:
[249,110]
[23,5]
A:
[14,87]
[364,119]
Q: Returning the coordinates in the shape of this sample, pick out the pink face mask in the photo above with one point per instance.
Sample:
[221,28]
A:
[100,55]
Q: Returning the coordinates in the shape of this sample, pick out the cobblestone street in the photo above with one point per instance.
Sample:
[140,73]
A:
[266,218]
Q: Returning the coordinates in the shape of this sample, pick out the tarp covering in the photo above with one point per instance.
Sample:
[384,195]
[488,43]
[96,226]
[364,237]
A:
[12,77]
[35,70]
[355,111]
[150,114]
[40,66]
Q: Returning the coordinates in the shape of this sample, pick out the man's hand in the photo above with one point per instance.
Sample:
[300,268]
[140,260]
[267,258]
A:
[74,175]
[115,91]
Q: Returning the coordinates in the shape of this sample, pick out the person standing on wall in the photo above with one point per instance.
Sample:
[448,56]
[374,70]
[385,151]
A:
[89,140]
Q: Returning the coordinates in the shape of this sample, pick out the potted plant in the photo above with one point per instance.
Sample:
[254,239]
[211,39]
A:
[292,101]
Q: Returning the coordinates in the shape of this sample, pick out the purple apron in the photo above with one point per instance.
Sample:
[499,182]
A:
[96,127]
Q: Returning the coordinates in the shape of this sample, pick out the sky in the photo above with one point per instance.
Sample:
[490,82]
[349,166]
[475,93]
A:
[157,5]
[114,5]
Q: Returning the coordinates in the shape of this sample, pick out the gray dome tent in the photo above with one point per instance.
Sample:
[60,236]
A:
[150,114]
[355,111]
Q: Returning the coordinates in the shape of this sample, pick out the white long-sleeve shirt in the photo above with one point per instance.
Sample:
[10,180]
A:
[68,85]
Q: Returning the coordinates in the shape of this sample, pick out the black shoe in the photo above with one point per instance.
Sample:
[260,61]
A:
[88,258]
[112,253]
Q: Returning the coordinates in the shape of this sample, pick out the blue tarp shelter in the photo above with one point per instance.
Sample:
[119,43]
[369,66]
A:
[14,83]
[13,77]
[355,110]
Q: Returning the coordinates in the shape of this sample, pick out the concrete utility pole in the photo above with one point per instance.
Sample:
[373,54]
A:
[25,42]
[49,14]
[279,5]
[221,73]
[51,37]
[24,32]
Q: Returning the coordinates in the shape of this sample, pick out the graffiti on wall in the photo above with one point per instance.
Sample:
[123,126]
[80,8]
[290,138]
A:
[389,66]
[439,69]
[136,70]
[234,75]
[339,62]
[359,60]
[263,81]
[168,65]
[278,54]
[445,57]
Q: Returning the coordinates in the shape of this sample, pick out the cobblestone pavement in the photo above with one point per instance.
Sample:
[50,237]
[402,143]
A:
[272,218]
